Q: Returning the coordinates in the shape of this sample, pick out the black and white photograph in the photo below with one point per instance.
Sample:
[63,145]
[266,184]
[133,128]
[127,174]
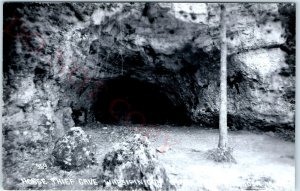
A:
[184,96]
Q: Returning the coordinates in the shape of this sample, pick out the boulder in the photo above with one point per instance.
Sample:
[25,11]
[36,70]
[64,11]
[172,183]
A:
[134,165]
[74,151]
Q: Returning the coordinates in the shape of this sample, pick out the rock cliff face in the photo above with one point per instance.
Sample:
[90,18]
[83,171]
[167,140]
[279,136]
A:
[67,66]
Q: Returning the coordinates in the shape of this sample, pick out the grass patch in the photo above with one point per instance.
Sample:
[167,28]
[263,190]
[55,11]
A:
[221,155]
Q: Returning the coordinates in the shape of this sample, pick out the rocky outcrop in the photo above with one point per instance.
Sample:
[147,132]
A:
[58,61]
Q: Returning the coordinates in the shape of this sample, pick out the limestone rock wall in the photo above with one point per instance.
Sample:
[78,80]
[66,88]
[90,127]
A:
[56,60]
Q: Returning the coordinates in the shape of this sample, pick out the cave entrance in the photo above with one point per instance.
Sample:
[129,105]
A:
[130,101]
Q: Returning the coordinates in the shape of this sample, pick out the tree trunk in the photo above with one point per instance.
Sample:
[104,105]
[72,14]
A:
[223,82]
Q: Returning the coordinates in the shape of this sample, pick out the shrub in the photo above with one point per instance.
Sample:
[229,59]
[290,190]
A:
[221,155]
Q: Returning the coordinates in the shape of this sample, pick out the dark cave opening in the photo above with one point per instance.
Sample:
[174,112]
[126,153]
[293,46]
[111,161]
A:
[126,101]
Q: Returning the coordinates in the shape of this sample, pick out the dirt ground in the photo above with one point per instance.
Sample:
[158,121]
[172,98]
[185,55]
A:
[264,162]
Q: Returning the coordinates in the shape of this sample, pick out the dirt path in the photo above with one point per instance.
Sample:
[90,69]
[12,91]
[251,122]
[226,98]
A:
[263,162]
